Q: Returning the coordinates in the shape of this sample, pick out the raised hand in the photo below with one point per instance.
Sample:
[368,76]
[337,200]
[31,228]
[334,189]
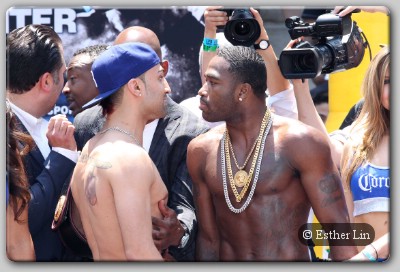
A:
[60,132]
[214,17]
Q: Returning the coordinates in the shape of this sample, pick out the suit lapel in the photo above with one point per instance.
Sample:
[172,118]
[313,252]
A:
[166,128]
[34,159]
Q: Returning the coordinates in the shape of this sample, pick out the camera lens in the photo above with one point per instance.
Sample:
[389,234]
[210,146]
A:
[289,23]
[305,62]
[299,63]
[242,28]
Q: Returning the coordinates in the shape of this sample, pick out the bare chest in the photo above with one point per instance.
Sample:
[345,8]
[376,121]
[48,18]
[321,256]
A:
[273,176]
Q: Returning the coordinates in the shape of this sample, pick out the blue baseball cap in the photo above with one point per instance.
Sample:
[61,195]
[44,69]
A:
[117,65]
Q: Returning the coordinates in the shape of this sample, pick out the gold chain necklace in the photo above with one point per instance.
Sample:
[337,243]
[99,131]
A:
[244,181]
[256,174]
[240,175]
[122,131]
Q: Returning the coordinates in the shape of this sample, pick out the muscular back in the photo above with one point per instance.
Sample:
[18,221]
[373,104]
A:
[296,172]
[117,188]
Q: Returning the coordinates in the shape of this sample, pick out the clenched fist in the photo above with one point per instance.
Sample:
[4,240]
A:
[60,132]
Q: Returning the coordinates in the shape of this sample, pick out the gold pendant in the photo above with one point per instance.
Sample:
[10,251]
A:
[240,178]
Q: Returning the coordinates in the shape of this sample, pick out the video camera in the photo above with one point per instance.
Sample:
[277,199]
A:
[336,45]
[242,28]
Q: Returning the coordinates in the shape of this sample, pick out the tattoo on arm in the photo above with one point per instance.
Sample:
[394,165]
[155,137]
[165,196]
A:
[330,185]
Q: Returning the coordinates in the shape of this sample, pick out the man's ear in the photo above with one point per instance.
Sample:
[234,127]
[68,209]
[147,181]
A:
[245,90]
[134,86]
[46,81]
[165,66]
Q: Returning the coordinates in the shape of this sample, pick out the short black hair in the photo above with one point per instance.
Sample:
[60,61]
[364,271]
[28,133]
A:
[31,51]
[247,66]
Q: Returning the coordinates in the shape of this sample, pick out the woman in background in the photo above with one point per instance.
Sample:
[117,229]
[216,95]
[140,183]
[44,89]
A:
[365,159]
[19,241]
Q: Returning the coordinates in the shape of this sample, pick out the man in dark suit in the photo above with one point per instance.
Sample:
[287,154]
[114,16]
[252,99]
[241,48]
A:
[167,145]
[35,68]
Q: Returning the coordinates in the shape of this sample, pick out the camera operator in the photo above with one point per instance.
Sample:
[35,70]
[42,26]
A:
[343,11]
[281,99]
[346,144]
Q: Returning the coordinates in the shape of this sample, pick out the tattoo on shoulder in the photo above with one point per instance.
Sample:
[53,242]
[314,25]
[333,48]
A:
[90,187]
[102,164]
[84,158]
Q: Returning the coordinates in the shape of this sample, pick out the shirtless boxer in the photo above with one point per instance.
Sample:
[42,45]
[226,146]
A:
[254,184]
[115,183]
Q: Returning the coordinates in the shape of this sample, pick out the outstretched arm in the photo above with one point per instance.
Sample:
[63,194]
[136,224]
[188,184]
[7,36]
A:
[213,17]
[308,114]
[281,98]
[275,80]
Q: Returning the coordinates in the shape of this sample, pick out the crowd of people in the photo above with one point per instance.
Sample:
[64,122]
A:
[154,180]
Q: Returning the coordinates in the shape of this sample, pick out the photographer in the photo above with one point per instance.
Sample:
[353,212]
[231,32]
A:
[343,11]
[332,43]
[364,149]
[281,98]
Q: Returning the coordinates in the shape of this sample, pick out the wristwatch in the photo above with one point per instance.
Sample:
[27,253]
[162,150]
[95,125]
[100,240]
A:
[185,237]
[263,45]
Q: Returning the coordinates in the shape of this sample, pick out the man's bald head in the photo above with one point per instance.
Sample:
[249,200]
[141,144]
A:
[140,34]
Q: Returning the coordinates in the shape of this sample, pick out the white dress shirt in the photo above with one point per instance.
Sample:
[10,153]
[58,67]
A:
[284,103]
[37,128]
[148,134]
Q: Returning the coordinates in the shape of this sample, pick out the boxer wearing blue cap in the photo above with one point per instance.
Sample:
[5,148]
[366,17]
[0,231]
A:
[166,140]
[117,65]
[115,184]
